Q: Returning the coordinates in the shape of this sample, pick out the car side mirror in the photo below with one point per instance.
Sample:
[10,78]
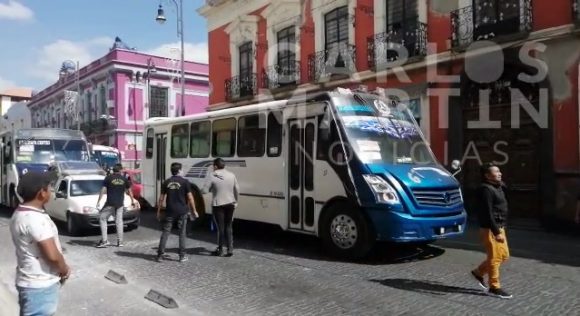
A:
[60,195]
[456,166]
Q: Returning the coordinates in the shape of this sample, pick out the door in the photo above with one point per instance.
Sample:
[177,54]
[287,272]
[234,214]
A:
[161,160]
[57,206]
[301,198]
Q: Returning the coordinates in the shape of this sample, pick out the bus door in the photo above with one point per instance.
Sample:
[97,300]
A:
[301,159]
[161,160]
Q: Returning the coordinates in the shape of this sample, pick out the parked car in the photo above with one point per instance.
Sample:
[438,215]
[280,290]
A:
[75,199]
[134,175]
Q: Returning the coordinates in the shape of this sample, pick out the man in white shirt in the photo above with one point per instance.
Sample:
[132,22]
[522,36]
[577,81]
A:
[225,189]
[41,266]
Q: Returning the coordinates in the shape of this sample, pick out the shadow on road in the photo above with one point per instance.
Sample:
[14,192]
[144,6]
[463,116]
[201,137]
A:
[427,287]
[82,242]
[138,255]
[271,239]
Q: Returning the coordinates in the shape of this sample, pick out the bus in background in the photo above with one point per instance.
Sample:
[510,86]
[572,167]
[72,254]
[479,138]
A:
[349,167]
[34,149]
[105,156]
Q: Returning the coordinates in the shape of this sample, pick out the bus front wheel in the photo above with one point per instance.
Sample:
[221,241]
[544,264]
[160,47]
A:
[346,232]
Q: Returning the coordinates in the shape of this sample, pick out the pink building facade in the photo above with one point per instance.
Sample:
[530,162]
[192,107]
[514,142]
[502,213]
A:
[118,93]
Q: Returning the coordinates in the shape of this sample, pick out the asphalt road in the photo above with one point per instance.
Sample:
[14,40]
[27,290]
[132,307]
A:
[277,273]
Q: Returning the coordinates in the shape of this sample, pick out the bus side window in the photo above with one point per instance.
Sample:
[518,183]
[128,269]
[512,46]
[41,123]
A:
[149,145]
[200,139]
[224,138]
[274,146]
[180,141]
[251,135]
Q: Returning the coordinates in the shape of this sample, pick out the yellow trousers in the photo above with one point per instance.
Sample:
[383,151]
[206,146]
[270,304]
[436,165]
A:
[497,253]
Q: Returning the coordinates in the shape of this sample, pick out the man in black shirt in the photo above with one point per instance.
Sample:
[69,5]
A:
[115,186]
[176,193]
[492,213]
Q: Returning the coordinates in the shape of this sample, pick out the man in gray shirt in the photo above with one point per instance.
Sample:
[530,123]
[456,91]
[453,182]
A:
[224,187]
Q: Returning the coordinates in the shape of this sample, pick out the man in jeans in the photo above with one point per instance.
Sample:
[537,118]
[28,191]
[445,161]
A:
[492,214]
[176,193]
[115,186]
[224,187]
[41,266]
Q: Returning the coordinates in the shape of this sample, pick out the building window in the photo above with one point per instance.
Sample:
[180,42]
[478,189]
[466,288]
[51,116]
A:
[246,69]
[224,138]
[274,134]
[103,97]
[401,15]
[286,61]
[159,102]
[200,139]
[179,141]
[251,136]
[149,145]
[336,28]
[89,107]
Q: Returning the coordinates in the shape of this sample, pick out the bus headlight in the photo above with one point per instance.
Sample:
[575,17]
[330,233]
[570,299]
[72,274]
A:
[384,192]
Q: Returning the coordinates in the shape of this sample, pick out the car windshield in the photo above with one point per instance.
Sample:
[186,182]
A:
[106,158]
[44,150]
[85,187]
[136,177]
[380,131]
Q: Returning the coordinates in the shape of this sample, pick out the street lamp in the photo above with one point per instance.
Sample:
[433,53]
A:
[161,19]
[150,70]
[66,67]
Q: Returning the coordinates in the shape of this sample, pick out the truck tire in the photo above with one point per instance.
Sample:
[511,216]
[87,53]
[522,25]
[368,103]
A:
[346,232]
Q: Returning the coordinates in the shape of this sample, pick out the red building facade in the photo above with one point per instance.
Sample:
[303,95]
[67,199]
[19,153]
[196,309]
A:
[488,80]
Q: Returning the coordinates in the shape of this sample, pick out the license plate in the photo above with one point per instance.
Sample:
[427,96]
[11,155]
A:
[111,218]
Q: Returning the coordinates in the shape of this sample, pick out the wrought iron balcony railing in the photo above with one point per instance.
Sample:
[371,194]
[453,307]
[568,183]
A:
[340,60]
[278,76]
[576,11]
[241,86]
[492,20]
[397,42]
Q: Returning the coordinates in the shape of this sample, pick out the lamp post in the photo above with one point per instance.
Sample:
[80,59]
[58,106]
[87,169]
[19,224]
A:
[161,19]
[150,70]
[65,71]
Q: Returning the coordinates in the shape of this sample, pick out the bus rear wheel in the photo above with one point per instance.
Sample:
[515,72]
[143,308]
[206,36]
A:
[346,233]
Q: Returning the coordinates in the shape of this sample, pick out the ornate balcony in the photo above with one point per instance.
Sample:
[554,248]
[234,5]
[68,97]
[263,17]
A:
[327,63]
[241,86]
[491,21]
[279,76]
[388,46]
[576,11]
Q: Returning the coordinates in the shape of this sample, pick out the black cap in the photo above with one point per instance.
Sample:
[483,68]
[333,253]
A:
[33,182]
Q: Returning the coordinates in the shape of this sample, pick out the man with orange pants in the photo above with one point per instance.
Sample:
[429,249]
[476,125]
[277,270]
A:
[492,212]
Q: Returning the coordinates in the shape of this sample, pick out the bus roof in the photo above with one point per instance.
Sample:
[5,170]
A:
[218,113]
[50,133]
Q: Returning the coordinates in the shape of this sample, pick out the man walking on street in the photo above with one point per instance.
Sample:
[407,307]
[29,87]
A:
[224,187]
[115,186]
[176,193]
[492,214]
[41,266]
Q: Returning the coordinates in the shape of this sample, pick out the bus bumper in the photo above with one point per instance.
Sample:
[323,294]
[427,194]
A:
[403,227]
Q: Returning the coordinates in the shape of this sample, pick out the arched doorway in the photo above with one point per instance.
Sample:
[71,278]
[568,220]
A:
[523,152]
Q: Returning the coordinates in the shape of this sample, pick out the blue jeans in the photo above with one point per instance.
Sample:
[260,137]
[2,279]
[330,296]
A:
[38,302]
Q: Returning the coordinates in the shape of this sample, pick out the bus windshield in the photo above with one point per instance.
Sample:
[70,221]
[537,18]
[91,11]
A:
[44,150]
[380,131]
[108,158]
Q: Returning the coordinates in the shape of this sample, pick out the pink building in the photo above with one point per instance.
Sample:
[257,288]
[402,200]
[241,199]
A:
[118,92]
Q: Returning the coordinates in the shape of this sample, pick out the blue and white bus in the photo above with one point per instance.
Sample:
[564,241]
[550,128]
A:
[29,149]
[348,167]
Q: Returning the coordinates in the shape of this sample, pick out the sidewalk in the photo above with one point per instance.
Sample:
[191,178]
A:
[537,244]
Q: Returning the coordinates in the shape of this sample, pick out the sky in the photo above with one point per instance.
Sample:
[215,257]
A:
[36,36]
